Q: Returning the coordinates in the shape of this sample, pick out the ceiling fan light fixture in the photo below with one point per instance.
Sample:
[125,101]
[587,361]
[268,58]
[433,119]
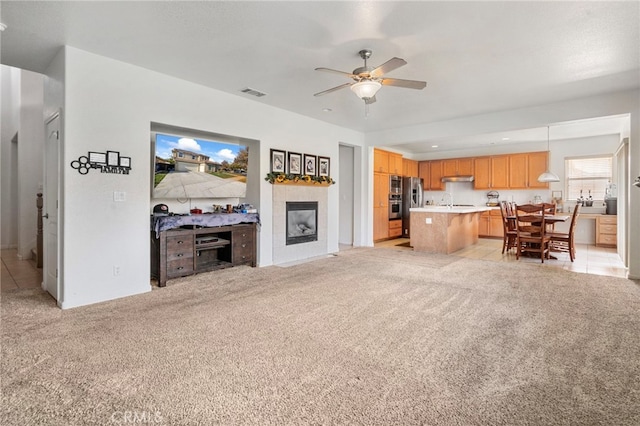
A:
[547,176]
[366,89]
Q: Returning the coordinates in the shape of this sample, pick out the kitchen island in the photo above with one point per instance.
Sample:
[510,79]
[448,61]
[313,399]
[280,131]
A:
[444,229]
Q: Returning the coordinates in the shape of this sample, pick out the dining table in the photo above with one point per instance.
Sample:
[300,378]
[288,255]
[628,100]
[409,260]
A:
[549,219]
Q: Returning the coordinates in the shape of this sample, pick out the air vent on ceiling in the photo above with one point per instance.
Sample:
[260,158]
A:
[254,92]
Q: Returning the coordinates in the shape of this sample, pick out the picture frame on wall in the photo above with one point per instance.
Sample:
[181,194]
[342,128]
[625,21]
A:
[277,161]
[324,164]
[310,164]
[294,160]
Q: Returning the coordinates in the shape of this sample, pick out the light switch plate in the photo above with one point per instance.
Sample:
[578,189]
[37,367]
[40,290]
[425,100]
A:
[119,196]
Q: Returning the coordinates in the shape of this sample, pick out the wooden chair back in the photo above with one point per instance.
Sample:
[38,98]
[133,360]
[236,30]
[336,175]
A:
[531,230]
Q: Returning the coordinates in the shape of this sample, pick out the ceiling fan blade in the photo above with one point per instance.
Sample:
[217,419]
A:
[390,65]
[333,89]
[348,74]
[370,100]
[409,84]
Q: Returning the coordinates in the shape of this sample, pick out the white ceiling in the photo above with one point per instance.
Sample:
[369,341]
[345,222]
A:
[477,57]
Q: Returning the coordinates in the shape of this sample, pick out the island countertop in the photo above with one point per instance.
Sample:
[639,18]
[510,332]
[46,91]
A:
[454,209]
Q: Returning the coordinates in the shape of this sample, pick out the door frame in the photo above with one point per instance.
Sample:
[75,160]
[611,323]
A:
[58,288]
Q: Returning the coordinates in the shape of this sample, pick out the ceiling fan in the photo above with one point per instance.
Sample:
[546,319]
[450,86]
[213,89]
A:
[368,80]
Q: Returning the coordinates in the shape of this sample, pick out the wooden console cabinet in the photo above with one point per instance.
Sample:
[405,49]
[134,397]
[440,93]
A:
[181,252]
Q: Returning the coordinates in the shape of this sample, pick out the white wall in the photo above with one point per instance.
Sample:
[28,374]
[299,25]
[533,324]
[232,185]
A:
[30,148]
[109,106]
[21,175]
[10,124]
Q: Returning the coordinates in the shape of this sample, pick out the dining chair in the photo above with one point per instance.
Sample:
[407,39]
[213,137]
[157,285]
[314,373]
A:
[508,226]
[531,236]
[549,209]
[565,241]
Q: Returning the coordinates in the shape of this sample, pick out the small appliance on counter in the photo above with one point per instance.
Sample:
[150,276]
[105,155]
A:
[160,210]
[611,206]
[492,199]
[611,199]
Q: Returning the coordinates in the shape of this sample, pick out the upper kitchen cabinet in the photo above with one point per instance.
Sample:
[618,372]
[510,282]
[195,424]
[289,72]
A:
[525,168]
[395,163]
[491,172]
[435,175]
[387,162]
[457,167]
[380,161]
[410,168]
[431,174]
[424,171]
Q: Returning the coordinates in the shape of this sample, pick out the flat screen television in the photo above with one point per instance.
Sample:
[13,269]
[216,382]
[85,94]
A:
[187,167]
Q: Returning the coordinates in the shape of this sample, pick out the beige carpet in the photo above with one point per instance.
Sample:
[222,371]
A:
[371,336]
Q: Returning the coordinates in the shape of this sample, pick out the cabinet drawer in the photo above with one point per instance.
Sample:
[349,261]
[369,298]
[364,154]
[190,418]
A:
[243,253]
[607,229]
[179,267]
[179,243]
[607,239]
[395,224]
[608,219]
[395,232]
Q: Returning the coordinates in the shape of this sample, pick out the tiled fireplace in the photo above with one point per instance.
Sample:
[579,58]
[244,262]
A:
[302,201]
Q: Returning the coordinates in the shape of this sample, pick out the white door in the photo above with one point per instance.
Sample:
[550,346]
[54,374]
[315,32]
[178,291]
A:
[50,215]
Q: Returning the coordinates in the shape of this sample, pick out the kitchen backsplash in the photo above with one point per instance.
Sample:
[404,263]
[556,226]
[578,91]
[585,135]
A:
[463,193]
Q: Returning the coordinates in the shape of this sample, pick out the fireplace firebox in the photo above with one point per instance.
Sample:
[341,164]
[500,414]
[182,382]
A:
[302,222]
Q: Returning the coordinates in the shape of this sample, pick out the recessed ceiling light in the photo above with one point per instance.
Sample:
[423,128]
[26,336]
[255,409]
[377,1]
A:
[505,139]
[327,109]
[434,146]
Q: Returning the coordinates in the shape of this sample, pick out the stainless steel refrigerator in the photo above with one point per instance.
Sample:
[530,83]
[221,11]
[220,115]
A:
[412,196]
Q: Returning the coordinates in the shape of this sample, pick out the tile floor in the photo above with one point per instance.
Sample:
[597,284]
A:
[589,258]
[18,274]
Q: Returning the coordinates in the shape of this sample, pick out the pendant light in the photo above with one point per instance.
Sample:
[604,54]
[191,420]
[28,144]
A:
[547,176]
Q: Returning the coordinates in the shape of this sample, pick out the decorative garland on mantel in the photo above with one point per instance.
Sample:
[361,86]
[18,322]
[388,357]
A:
[290,179]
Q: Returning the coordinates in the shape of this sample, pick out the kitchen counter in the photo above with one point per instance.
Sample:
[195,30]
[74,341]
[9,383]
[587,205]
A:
[442,229]
[454,209]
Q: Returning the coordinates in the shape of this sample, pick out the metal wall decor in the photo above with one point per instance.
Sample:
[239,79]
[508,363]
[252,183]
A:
[107,162]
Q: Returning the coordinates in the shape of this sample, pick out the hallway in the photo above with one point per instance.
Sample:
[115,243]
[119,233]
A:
[18,274]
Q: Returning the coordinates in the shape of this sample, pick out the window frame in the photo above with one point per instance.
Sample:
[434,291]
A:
[568,178]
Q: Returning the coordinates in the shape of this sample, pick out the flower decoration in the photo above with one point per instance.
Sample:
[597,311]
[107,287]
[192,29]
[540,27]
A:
[282,178]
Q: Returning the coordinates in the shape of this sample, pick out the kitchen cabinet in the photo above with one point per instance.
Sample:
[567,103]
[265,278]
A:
[457,167]
[525,168]
[490,224]
[380,206]
[395,228]
[491,172]
[424,171]
[431,174]
[395,164]
[180,252]
[380,161]
[435,175]
[537,163]
[607,230]
[387,162]
[410,168]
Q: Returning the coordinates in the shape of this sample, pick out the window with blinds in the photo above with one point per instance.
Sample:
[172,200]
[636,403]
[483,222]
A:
[586,176]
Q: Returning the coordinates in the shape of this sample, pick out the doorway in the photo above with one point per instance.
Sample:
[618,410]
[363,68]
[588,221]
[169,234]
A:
[51,282]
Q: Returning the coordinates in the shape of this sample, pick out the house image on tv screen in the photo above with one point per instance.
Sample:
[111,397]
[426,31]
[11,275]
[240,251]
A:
[187,161]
